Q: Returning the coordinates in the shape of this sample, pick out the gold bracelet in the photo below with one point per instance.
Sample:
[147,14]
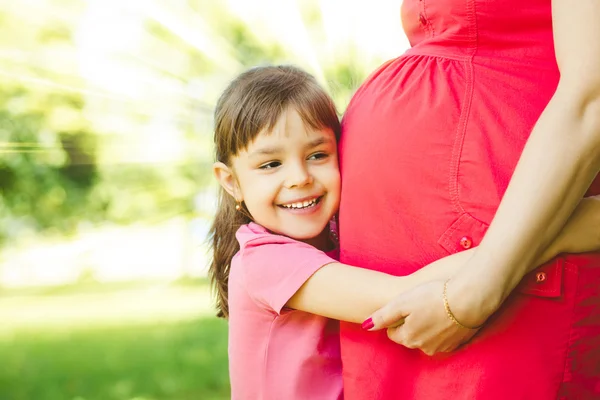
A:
[450,315]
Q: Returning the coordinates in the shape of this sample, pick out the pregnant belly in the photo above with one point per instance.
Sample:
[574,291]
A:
[426,155]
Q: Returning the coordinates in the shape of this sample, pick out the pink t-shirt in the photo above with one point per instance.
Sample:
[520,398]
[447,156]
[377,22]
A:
[276,353]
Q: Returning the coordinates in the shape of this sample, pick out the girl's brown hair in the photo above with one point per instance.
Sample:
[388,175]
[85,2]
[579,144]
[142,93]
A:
[253,102]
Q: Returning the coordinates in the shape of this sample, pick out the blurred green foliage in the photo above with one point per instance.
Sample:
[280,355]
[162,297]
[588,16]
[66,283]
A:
[45,177]
[62,164]
[48,165]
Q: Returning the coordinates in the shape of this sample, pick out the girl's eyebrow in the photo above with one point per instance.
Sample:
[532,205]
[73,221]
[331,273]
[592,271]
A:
[318,141]
[266,151]
[274,150]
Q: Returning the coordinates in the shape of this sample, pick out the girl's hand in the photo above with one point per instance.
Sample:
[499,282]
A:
[418,318]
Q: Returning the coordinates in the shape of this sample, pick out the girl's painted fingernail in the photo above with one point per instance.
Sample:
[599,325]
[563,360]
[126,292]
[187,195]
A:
[368,324]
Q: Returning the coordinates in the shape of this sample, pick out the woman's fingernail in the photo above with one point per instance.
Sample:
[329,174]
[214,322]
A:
[368,324]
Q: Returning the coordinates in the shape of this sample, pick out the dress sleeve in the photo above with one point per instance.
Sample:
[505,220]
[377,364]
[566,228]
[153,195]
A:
[275,267]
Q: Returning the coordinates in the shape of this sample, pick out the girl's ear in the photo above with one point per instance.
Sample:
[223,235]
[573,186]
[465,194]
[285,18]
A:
[227,180]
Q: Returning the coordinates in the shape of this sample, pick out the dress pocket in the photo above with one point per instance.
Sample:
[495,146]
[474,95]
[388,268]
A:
[464,233]
[467,232]
[545,281]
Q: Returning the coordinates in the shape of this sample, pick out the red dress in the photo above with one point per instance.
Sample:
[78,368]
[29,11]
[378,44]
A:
[429,143]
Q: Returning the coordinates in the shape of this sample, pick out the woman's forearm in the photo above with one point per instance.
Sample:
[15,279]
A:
[449,266]
[559,162]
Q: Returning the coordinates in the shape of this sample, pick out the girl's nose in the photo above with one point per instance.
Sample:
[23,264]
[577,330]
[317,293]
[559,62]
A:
[298,176]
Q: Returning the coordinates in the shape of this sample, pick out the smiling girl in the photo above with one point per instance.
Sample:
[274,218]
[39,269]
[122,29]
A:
[274,264]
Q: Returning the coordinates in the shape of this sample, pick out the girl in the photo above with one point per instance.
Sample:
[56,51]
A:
[274,264]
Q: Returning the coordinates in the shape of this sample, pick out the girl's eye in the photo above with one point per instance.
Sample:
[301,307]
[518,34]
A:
[318,156]
[270,165]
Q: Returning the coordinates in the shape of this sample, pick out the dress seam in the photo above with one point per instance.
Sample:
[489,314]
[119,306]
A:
[466,111]
[459,141]
[429,24]
[415,52]
[569,340]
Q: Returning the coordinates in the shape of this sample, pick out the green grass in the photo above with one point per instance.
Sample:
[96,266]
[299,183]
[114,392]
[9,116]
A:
[92,286]
[185,360]
[112,343]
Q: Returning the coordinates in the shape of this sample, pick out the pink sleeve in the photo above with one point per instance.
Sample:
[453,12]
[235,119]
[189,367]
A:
[275,267]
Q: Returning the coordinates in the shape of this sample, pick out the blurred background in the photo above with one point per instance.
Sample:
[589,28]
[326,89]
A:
[106,194]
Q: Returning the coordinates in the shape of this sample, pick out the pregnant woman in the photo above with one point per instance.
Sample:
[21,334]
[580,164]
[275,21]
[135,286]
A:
[489,124]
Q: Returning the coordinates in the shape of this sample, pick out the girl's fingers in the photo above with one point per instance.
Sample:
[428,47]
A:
[390,315]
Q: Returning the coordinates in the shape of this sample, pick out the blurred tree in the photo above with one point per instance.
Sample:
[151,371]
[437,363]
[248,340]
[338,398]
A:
[114,124]
[46,175]
[59,166]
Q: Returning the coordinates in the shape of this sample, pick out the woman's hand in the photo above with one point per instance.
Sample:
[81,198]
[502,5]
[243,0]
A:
[418,318]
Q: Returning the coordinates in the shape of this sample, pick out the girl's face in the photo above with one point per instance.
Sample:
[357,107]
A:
[289,178]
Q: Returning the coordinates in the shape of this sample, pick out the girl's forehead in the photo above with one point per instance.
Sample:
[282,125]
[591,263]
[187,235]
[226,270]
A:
[289,131]
[290,124]
[297,134]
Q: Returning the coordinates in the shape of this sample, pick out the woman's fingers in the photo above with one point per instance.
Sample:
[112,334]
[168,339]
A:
[418,320]
[402,336]
[398,335]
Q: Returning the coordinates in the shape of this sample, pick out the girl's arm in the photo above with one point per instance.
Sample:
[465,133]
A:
[351,294]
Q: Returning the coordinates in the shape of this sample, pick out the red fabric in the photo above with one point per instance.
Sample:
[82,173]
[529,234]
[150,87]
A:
[429,143]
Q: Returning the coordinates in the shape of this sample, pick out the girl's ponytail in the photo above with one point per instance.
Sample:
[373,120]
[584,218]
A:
[224,245]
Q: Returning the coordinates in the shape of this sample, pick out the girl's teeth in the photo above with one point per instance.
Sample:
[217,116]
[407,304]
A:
[301,204]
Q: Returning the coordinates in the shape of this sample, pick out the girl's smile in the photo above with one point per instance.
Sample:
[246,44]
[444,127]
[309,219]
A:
[302,204]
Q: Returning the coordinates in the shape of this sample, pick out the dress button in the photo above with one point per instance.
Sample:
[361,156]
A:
[540,277]
[422,19]
[466,242]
